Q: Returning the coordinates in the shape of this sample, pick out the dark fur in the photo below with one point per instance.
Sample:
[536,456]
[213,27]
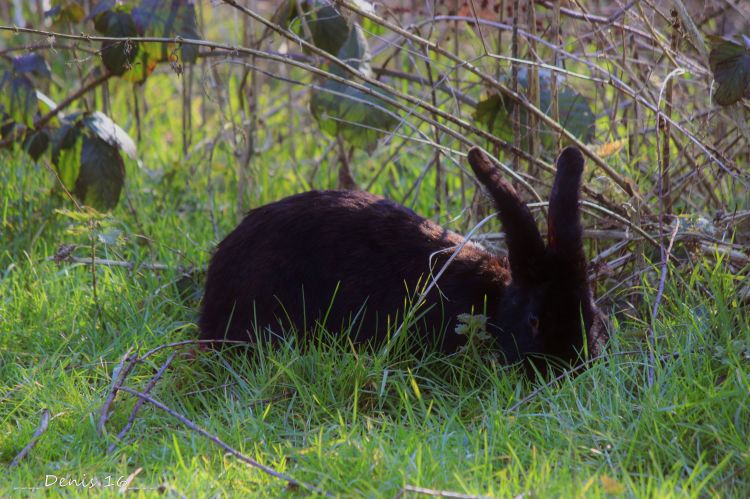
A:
[280,267]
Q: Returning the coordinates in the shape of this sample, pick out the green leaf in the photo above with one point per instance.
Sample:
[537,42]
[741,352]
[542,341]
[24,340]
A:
[132,61]
[730,64]
[168,19]
[36,143]
[117,57]
[18,98]
[326,28]
[496,112]
[289,10]
[329,29]
[493,113]
[7,127]
[355,52]
[66,10]
[66,153]
[85,152]
[101,176]
[358,117]
[81,216]
[320,21]
[107,130]
[576,115]
[284,13]
[361,119]
[142,66]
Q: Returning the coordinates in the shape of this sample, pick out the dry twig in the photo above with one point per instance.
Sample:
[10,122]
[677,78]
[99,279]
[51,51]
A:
[43,424]
[140,402]
[242,457]
[120,373]
[436,493]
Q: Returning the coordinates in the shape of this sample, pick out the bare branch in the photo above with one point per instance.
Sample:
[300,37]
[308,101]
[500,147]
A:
[242,457]
[43,424]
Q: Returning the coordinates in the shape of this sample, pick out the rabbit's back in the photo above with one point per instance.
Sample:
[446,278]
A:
[337,254]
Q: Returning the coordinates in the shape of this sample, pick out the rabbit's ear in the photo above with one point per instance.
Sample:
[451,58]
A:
[525,245]
[565,235]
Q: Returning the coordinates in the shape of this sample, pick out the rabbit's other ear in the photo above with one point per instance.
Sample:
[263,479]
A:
[525,245]
[565,235]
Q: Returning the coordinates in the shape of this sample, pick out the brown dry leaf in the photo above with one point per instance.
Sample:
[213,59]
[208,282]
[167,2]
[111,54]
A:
[483,10]
[611,486]
[610,148]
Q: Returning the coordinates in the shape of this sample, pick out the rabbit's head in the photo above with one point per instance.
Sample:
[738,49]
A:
[549,296]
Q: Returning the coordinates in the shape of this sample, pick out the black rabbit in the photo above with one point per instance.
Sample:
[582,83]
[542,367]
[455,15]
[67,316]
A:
[353,260]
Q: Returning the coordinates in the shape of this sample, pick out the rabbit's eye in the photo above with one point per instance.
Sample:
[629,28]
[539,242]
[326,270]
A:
[534,323]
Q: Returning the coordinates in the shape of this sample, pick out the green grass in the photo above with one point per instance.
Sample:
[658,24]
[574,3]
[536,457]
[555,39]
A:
[350,423]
